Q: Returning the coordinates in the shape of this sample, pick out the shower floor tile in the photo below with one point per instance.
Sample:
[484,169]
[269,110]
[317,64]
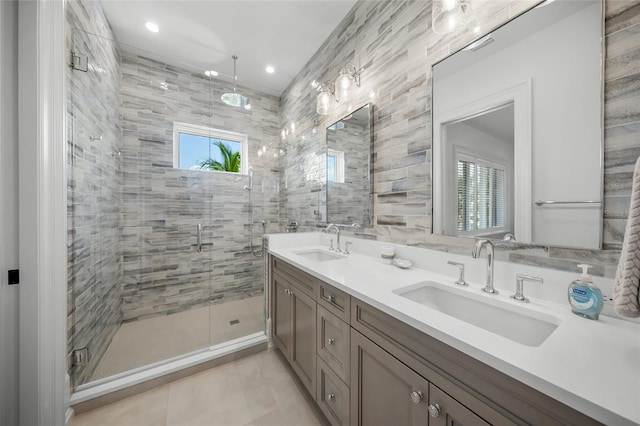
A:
[256,390]
[140,343]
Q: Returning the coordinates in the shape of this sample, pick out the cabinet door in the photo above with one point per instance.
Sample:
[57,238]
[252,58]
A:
[446,411]
[384,391]
[333,342]
[303,345]
[282,330]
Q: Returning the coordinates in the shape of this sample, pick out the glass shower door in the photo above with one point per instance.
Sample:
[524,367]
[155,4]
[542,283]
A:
[138,288]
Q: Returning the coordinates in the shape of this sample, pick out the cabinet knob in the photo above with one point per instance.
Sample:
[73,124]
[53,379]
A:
[434,410]
[330,396]
[331,340]
[330,298]
[416,397]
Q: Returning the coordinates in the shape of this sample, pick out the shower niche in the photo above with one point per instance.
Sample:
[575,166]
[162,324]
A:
[163,262]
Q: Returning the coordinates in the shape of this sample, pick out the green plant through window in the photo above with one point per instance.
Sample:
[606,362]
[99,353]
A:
[197,147]
[230,160]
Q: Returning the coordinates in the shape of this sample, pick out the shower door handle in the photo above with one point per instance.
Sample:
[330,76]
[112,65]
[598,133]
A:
[199,237]
[199,244]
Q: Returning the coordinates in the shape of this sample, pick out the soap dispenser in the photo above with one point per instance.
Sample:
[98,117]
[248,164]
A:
[585,298]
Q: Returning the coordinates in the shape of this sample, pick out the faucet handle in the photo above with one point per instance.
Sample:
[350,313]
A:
[461,281]
[346,247]
[520,279]
[331,244]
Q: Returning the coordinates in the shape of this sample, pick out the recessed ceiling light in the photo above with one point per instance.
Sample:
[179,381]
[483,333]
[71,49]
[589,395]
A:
[152,26]
[211,73]
[270,69]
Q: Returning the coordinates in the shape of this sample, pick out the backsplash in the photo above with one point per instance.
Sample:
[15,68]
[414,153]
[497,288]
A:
[394,42]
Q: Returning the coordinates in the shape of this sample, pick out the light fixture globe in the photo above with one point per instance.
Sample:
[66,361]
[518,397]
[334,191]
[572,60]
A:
[448,15]
[343,85]
[323,101]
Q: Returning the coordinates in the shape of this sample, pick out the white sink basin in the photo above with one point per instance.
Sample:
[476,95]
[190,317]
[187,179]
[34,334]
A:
[516,323]
[318,255]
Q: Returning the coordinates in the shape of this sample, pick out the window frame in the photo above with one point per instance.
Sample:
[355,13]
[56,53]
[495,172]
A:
[497,165]
[339,165]
[213,133]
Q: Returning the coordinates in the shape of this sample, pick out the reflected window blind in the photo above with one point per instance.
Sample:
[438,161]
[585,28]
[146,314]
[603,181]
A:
[481,196]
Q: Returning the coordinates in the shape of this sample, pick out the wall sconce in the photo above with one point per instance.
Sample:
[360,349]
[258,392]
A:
[323,100]
[348,77]
[448,15]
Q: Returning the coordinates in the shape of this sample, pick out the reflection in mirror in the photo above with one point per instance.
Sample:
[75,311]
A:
[479,156]
[349,199]
[517,120]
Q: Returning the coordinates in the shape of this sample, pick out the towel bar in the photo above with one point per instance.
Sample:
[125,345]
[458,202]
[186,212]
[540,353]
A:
[541,202]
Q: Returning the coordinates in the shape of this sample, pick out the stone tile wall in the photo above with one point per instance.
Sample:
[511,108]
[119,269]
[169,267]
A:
[93,214]
[161,206]
[394,42]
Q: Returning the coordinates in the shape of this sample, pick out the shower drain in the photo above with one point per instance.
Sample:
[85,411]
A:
[234,322]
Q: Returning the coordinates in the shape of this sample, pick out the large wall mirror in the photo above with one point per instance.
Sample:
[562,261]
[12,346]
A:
[349,198]
[517,131]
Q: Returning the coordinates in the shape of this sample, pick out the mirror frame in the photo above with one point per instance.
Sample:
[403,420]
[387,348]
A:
[371,194]
[601,122]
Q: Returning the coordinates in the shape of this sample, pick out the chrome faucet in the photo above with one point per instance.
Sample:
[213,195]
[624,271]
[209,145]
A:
[475,253]
[329,228]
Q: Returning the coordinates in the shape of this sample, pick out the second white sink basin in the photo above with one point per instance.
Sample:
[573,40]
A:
[318,255]
[513,322]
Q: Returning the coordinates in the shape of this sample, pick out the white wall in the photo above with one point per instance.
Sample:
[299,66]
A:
[8,212]
[566,136]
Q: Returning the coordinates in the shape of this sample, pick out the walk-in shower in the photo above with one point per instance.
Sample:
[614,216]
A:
[163,259]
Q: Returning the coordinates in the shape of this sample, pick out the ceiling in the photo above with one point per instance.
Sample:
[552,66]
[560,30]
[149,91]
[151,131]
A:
[203,35]
[498,123]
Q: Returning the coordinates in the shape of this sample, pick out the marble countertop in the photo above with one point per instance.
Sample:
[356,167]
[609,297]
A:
[592,366]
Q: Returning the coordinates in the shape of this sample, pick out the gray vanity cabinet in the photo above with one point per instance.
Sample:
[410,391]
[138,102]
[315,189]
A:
[446,411]
[384,391]
[364,367]
[294,328]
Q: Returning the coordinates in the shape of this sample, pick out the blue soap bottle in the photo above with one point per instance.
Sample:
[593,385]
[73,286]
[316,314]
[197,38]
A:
[585,298]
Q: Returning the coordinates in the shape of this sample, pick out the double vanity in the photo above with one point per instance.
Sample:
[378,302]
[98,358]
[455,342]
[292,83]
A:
[376,344]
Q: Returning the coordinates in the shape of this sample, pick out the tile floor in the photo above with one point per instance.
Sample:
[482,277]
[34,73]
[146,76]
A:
[256,390]
[144,342]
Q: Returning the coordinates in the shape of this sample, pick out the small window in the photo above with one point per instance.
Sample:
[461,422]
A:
[335,166]
[204,148]
[482,194]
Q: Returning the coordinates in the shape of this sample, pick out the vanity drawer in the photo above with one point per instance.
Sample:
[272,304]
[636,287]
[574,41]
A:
[335,301]
[305,282]
[334,342]
[332,395]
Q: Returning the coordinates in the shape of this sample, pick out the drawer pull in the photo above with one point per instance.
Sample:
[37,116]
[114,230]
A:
[416,397]
[330,298]
[330,397]
[434,410]
[331,341]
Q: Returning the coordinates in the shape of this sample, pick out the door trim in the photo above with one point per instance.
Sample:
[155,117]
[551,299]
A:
[42,210]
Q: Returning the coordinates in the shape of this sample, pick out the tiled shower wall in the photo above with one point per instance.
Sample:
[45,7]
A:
[394,42]
[93,213]
[161,206]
